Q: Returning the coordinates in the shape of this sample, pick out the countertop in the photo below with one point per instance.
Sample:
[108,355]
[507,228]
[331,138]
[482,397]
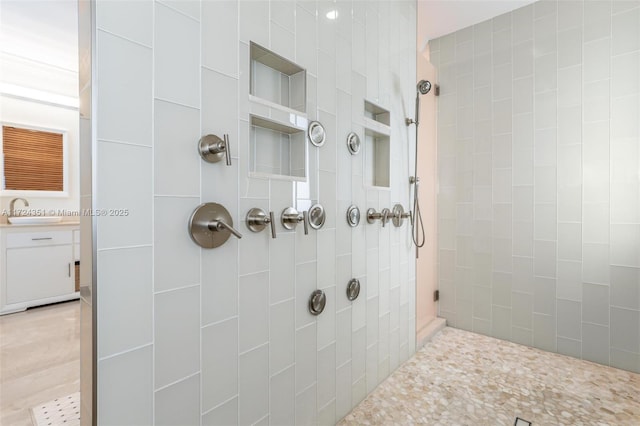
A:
[39,225]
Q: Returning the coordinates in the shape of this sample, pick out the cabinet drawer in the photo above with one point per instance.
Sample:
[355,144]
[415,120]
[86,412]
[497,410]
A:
[38,239]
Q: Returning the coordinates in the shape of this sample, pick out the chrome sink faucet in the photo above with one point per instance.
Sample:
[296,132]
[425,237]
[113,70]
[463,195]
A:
[12,205]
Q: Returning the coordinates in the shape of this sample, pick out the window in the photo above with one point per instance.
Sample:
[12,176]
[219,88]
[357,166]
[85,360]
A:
[33,159]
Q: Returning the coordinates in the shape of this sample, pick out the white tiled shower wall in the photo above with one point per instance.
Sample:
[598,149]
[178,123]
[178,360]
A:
[223,336]
[538,153]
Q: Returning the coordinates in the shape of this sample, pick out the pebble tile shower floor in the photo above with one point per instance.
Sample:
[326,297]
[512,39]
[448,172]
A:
[463,378]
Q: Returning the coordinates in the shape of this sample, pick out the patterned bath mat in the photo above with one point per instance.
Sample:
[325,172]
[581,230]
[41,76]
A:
[63,411]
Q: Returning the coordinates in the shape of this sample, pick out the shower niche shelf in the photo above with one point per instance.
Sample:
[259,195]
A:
[376,117]
[377,149]
[276,80]
[277,150]
[377,159]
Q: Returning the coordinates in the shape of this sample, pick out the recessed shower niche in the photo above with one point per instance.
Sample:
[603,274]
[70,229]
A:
[277,80]
[377,146]
[276,150]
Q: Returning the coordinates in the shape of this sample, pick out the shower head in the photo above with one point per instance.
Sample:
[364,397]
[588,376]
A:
[424,86]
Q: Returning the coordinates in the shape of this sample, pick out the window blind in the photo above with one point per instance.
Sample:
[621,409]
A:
[33,159]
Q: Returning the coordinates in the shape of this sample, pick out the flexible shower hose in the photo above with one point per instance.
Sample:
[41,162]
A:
[417,226]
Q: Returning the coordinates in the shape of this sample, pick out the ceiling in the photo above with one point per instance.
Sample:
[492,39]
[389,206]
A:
[44,31]
[440,17]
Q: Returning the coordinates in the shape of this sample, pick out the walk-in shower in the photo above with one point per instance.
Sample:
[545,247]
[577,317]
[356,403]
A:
[417,226]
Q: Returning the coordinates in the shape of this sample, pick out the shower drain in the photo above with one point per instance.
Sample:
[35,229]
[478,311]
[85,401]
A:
[521,422]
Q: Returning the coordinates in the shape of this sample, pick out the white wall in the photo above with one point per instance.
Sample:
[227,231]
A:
[223,336]
[39,80]
[37,114]
[539,210]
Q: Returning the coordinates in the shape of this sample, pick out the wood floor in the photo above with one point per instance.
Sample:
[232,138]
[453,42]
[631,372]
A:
[39,359]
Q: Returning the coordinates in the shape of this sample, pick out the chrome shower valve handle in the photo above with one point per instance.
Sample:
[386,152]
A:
[218,225]
[290,218]
[398,215]
[372,215]
[211,225]
[212,148]
[257,220]
[386,216]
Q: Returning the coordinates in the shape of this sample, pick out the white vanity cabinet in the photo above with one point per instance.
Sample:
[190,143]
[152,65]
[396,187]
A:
[38,266]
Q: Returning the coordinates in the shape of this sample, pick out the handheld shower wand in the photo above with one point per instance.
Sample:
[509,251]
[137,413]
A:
[423,87]
[417,226]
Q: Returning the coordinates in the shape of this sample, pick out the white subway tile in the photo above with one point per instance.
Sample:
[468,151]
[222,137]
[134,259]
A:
[306,407]
[176,335]
[326,375]
[595,343]
[124,166]
[625,32]
[225,414]
[220,37]
[220,363]
[254,22]
[306,357]
[125,303]
[176,57]
[133,21]
[253,385]
[283,396]
[176,168]
[253,323]
[129,121]
[122,400]
[188,7]
[176,256]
